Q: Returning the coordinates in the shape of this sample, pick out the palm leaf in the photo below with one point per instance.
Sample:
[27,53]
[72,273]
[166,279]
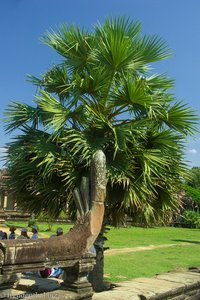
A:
[58,113]
[115,44]
[20,114]
[72,43]
[153,48]
[56,81]
[182,118]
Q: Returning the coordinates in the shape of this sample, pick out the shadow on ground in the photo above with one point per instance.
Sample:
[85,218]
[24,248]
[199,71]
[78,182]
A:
[188,241]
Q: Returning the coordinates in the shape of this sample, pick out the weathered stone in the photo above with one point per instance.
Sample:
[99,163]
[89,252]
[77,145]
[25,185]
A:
[36,284]
[67,251]
[169,286]
[9,280]
[136,289]
[11,294]
[58,295]
[75,278]
[186,278]
[116,295]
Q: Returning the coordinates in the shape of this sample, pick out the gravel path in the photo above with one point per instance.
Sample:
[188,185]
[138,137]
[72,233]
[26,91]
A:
[138,249]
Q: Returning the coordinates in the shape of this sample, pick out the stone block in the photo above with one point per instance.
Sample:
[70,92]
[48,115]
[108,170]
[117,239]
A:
[116,295]
[38,285]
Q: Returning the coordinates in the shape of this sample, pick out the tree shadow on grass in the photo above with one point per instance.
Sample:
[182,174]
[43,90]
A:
[188,241]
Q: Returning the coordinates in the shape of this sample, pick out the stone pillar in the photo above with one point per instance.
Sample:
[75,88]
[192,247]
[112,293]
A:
[5,201]
[15,206]
[1,204]
[75,278]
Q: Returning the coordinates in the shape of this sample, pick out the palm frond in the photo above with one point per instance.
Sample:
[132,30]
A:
[20,114]
[57,112]
[56,80]
[93,83]
[76,143]
[132,95]
[159,82]
[115,44]
[72,43]
[165,140]
[181,117]
[153,48]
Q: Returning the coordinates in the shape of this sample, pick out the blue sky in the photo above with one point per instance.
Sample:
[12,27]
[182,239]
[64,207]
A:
[23,22]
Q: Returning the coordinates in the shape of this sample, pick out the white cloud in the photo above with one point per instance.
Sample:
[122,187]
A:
[193,151]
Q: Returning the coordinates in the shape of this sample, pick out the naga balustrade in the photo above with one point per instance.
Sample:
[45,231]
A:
[69,251]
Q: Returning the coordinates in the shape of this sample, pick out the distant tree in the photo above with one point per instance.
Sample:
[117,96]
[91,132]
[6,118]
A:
[194,180]
[193,193]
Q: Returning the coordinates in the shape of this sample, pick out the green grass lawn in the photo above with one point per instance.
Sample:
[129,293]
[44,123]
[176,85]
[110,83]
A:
[137,236]
[151,262]
[184,254]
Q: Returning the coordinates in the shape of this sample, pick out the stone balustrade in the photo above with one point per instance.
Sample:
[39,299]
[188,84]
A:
[69,251]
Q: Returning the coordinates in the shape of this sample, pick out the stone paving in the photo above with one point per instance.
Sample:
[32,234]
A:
[173,285]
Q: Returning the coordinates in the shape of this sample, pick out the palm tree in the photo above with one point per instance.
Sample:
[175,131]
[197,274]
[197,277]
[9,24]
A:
[102,95]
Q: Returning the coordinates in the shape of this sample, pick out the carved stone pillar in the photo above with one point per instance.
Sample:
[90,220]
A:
[15,206]
[76,278]
[1,204]
[5,201]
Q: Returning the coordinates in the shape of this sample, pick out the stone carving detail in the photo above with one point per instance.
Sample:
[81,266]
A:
[70,250]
